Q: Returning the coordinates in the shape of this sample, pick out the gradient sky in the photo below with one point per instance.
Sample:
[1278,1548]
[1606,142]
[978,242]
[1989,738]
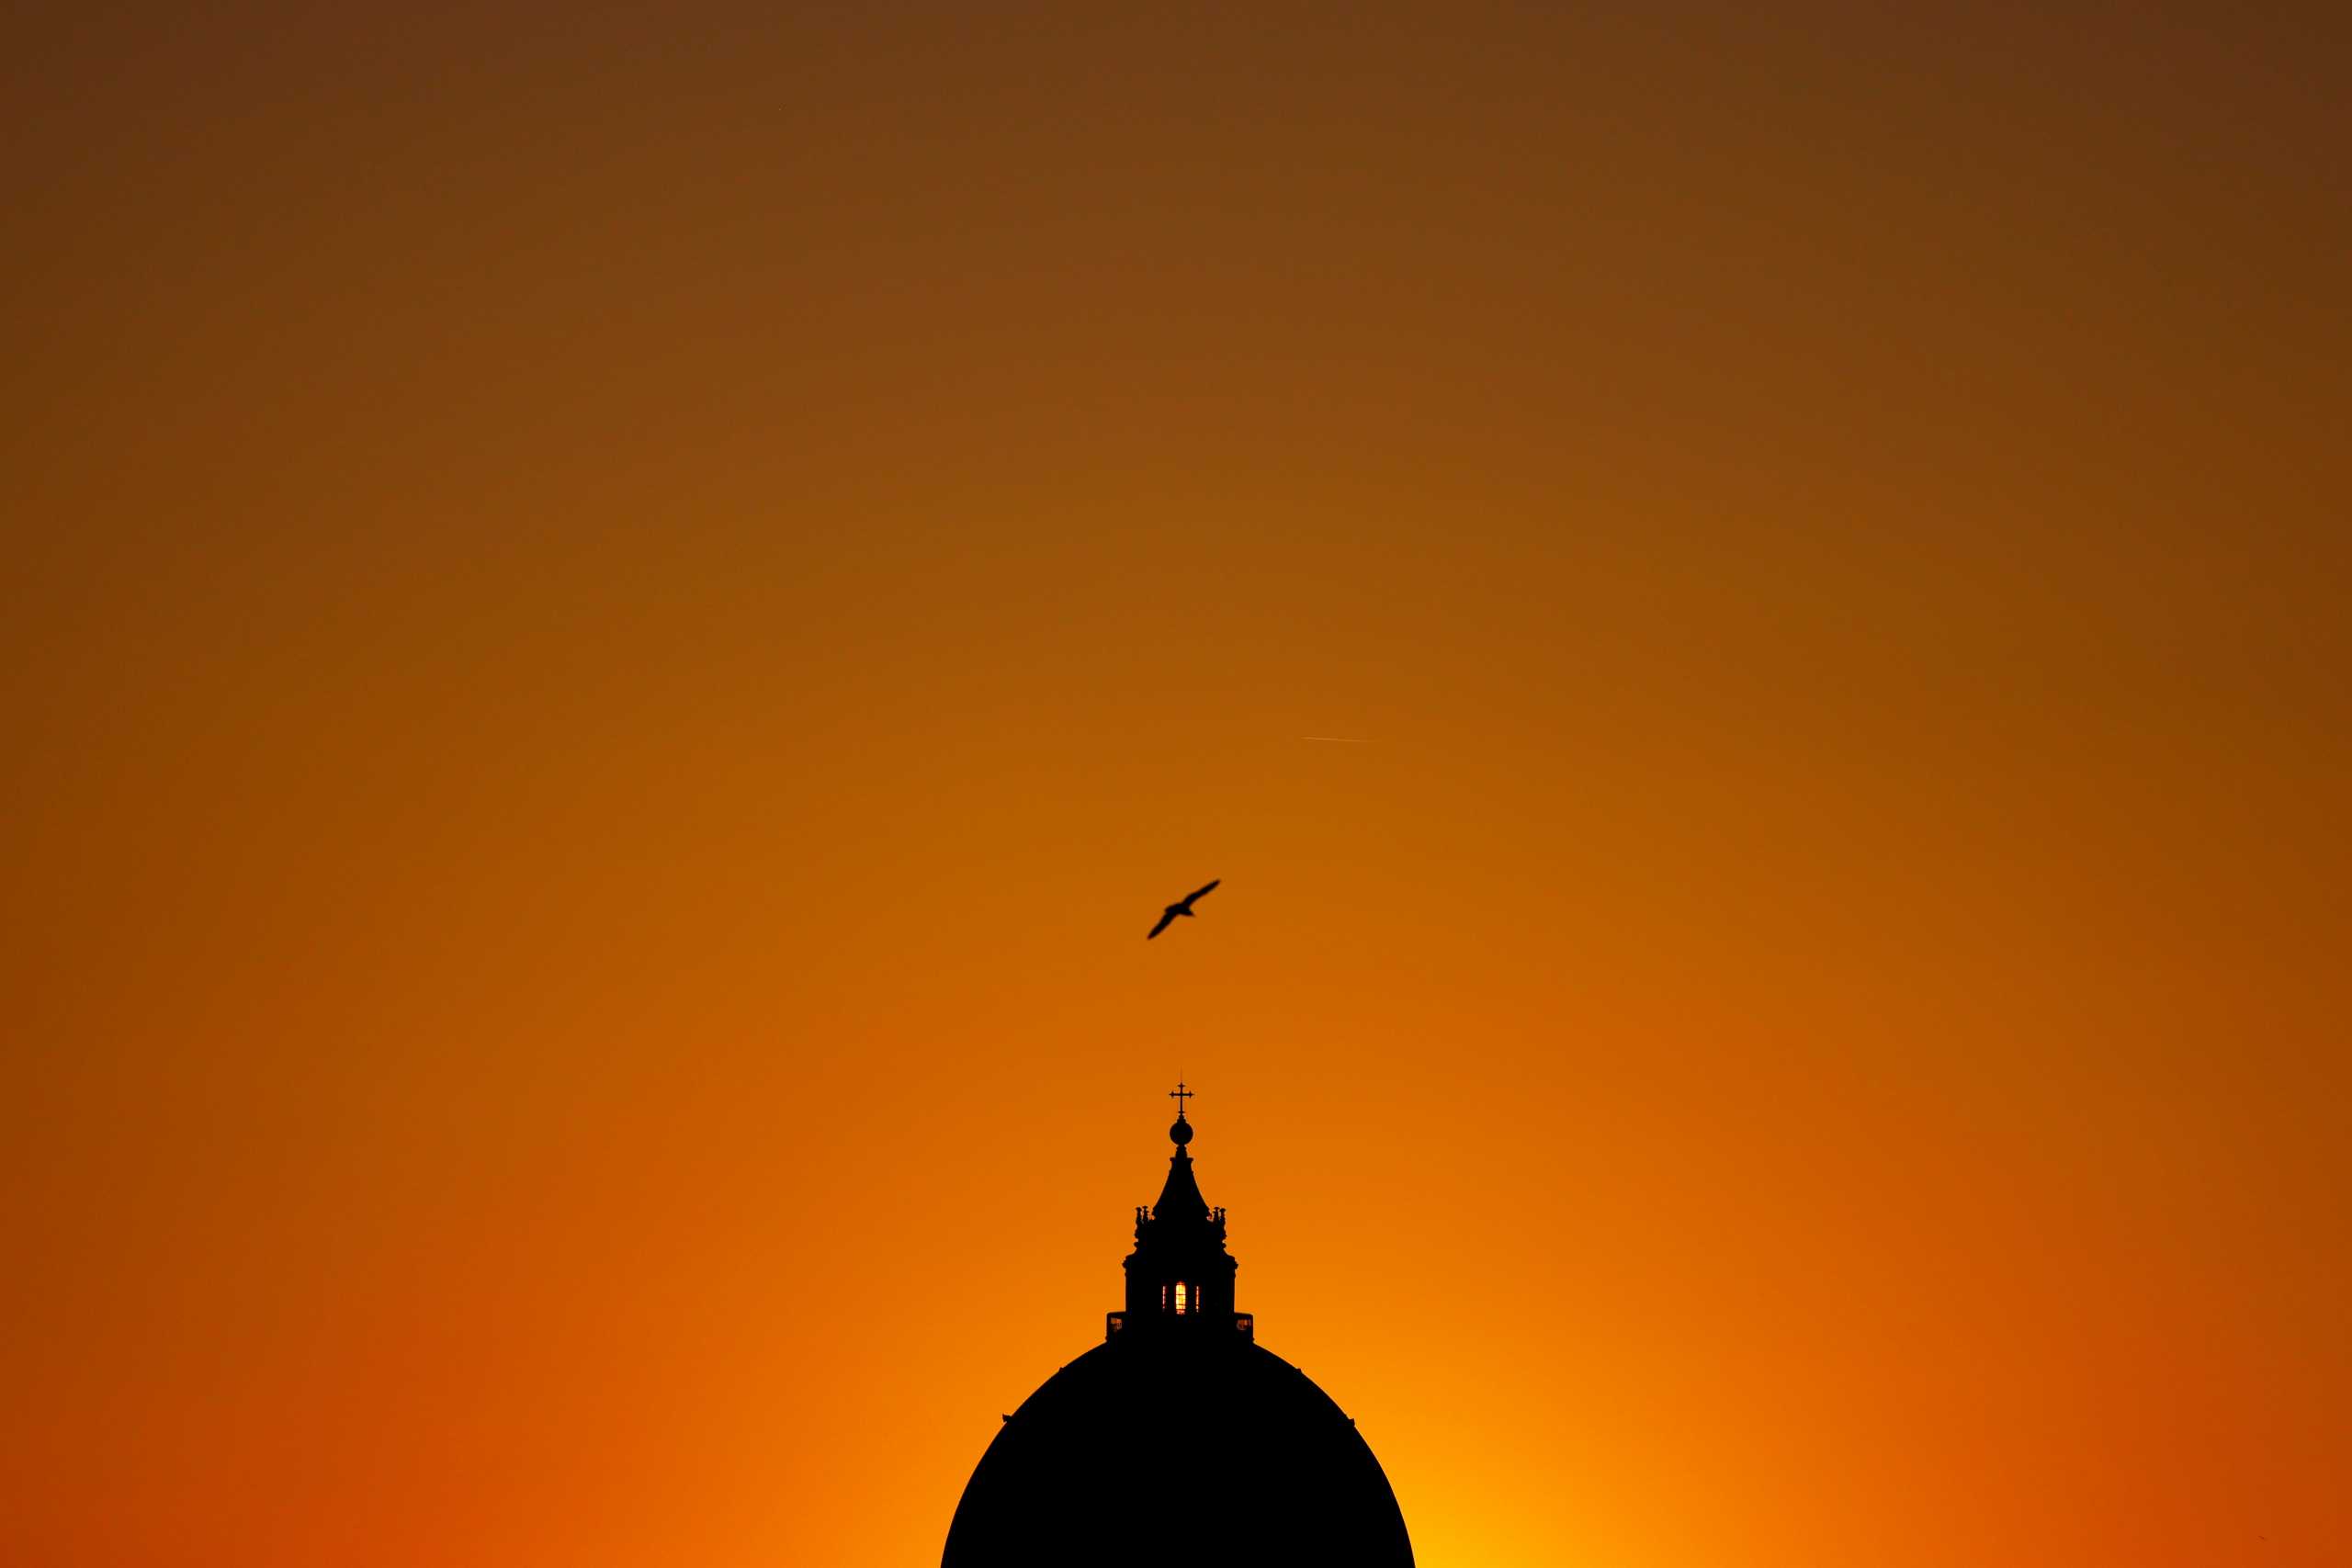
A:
[617,619]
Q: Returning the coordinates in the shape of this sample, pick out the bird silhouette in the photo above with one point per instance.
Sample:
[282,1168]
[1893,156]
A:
[1182,906]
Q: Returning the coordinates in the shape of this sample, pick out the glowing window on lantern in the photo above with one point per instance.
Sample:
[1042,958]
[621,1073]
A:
[1180,1298]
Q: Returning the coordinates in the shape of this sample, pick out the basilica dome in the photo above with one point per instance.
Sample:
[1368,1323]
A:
[1178,1439]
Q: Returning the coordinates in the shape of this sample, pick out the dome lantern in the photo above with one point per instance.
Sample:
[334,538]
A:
[1178,1276]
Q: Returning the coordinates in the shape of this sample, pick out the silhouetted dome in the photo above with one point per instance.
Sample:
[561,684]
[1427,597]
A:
[1177,1441]
[1152,1451]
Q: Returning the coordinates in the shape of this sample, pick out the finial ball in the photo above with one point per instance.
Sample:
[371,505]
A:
[1181,1133]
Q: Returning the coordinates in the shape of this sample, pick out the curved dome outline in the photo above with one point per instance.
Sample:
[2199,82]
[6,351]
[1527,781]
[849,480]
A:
[1178,1440]
[1162,1452]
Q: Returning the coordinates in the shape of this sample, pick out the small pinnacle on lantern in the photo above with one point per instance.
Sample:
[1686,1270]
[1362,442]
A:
[1181,1133]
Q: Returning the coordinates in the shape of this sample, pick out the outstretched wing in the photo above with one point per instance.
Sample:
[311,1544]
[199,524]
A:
[1165,916]
[1198,891]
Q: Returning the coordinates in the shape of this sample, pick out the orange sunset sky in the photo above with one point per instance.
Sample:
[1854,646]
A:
[617,619]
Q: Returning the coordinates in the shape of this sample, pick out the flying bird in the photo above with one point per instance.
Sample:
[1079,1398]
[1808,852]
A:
[1182,906]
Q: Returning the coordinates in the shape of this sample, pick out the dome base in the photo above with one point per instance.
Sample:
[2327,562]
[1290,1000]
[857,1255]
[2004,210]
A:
[1162,1449]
